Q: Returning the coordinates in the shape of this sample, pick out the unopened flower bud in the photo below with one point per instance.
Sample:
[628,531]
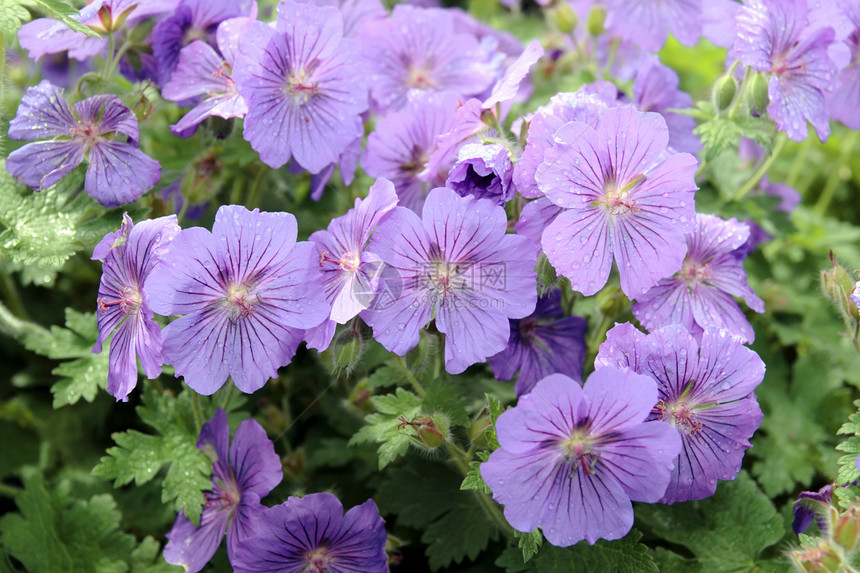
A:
[347,349]
[546,273]
[611,301]
[427,432]
[756,94]
[724,91]
[597,21]
[846,531]
[838,285]
[563,16]
[479,427]
[820,559]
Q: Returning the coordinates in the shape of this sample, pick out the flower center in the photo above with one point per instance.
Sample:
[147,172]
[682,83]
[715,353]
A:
[348,261]
[419,77]
[528,327]
[129,302]
[301,87]
[318,561]
[679,414]
[693,273]
[85,132]
[616,199]
[579,449]
[445,277]
[224,497]
[239,302]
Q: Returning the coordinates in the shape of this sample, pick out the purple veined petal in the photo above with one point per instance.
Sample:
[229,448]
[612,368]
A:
[320,337]
[458,234]
[122,361]
[648,22]
[578,244]
[197,74]
[472,331]
[119,173]
[43,112]
[727,370]
[569,175]
[624,347]
[107,113]
[508,86]
[41,165]
[767,29]
[667,303]
[48,36]
[535,217]
[294,22]
[205,363]
[844,101]
[718,21]
[467,122]
[380,201]
[248,70]
[255,464]
[714,307]
[226,106]
[231,32]
[618,400]
[193,547]
[148,345]
[633,143]
[397,329]
[643,471]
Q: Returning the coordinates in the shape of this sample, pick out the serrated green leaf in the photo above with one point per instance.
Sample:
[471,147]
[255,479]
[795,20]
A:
[625,555]
[64,12]
[495,407]
[140,457]
[147,558]
[13,14]
[530,543]
[56,532]
[447,399]
[727,532]
[721,133]
[473,479]
[383,376]
[382,428]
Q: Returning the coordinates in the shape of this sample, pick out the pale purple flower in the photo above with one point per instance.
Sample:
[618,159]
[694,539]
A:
[357,14]
[304,86]
[419,49]
[701,293]
[649,22]
[623,199]
[843,101]
[118,172]
[572,458]
[243,472]
[483,170]
[535,218]
[855,296]
[312,534]
[129,256]
[656,89]
[247,291]
[201,71]
[400,146]
[507,88]
[543,343]
[350,271]
[773,37]
[458,266]
[706,392]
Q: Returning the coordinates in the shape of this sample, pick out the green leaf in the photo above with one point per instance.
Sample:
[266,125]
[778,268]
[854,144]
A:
[139,457]
[147,558]
[382,427]
[530,543]
[83,376]
[847,464]
[473,479]
[721,133]
[494,405]
[625,555]
[63,11]
[56,532]
[12,15]
[727,532]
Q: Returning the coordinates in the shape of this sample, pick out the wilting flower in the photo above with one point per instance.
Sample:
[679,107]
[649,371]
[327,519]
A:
[243,472]
[129,256]
[350,273]
[312,534]
[201,71]
[304,87]
[700,294]
[247,291]
[543,343]
[483,171]
[706,392]
[118,172]
[622,199]
[774,37]
[456,265]
[573,458]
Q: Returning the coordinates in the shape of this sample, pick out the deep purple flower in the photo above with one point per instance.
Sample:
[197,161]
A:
[399,147]
[804,511]
[649,22]
[623,199]
[118,172]
[419,49]
[483,171]
[350,272]
[243,472]
[247,291]
[543,343]
[843,101]
[201,71]
[192,20]
[129,256]
[458,266]
[312,534]
[656,89]
[572,458]
[304,86]
[706,392]
[700,294]
[773,37]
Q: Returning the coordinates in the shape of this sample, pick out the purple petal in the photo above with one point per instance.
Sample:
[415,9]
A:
[107,113]
[507,87]
[193,547]
[119,173]
[43,112]
[41,165]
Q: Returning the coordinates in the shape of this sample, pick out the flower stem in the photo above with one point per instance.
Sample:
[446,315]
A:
[9,490]
[198,415]
[407,373]
[106,71]
[833,179]
[739,94]
[762,169]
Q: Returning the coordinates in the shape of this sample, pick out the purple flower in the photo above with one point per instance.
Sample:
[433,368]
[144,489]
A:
[656,89]
[700,294]
[458,266]
[843,101]
[350,272]
[118,172]
[129,256]
[400,146]
[804,511]
[572,458]
[191,20]
[243,472]
[419,49]
[357,14]
[483,171]
[507,88]
[706,392]
[304,87]
[312,534]
[855,296]
[648,22]
[543,343]
[247,291]
[623,199]
[773,37]
[201,71]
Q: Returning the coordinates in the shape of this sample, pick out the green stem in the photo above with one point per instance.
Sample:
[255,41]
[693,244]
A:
[613,51]
[739,94]
[228,395]
[9,490]
[256,189]
[407,373]
[17,328]
[198,415]
[762,169]
[181,215]
[833,179]
[109,60]
[10,292]
[799,162]
[702,166]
